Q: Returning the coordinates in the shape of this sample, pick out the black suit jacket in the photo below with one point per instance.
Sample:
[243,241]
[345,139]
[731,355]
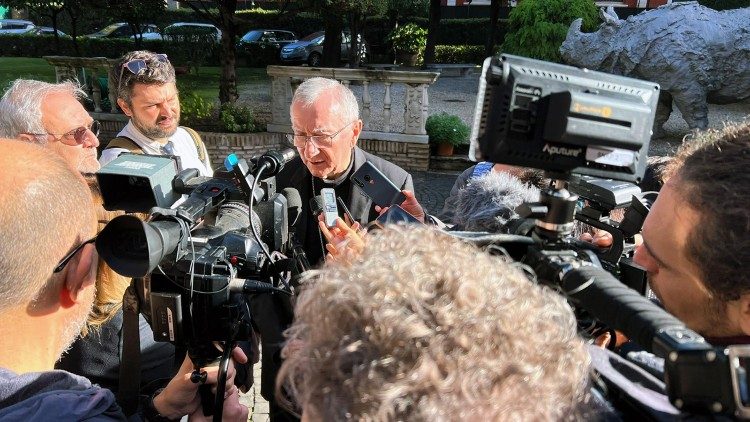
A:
[296,175]
[269,311]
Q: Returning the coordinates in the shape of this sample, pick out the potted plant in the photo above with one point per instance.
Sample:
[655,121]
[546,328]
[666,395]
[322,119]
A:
[408,43]
[446,131]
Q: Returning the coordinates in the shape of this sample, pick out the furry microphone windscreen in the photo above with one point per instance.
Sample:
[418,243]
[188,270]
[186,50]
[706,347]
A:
[488,202]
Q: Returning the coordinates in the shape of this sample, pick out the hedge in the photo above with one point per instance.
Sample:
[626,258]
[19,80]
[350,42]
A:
[460,54]
[44,45]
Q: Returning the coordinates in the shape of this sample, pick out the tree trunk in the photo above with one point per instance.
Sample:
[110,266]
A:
[354,24]
[489,47]
[332,42]
[228,81]
[432,30]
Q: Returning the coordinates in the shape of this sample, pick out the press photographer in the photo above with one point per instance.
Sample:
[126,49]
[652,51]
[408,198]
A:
[566,120]
[193,280]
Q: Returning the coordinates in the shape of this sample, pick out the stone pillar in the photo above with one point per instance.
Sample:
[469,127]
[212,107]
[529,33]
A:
[281,98]
[415,109]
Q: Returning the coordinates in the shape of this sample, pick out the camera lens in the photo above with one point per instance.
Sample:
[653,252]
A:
[368,178]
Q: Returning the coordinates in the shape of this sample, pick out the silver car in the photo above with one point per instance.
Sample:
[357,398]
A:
[15,26]
[310,49]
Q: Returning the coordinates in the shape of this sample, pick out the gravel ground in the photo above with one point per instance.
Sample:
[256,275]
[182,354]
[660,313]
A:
[457,95]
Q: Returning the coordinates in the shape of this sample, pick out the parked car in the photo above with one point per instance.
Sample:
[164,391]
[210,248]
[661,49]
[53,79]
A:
[310,49]
[270,37]
[123,30]
[46,30]
[15,26]
[181,31]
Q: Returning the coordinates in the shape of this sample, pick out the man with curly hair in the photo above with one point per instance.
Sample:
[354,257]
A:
[696,237]
[402,332]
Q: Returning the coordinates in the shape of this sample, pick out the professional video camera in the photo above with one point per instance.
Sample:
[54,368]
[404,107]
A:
[191,278]
[578,125]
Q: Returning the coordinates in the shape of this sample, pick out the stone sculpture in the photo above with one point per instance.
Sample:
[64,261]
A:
[698,55]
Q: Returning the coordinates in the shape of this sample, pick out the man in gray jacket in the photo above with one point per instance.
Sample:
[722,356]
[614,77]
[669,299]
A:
[47,284]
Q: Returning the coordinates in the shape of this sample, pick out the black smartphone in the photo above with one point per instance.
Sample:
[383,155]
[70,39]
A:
[376,186]
[395,215]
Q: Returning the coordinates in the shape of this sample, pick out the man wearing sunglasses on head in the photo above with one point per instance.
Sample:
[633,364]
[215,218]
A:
[147,93]
[52,116]
[47,288]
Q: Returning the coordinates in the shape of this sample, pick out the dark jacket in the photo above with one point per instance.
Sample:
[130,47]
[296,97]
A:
[267,312]
[296,175]
[98,355]
[54,396]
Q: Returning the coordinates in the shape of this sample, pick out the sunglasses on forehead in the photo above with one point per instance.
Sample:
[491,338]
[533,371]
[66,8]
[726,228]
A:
[137,66]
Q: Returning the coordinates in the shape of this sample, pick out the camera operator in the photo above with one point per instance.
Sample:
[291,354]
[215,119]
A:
[47,292]
[422,326]
[697,236]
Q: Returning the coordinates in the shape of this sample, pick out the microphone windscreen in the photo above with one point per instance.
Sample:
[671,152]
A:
[316,205]
[293,204]
[488,202]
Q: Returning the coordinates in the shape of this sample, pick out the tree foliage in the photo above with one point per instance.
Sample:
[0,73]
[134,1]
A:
[355,11]
[222,14]
[537,28]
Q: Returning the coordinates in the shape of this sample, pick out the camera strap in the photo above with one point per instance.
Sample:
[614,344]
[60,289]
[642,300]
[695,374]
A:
[128,392]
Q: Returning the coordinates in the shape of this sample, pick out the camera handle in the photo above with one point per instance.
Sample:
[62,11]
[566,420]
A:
[213,404]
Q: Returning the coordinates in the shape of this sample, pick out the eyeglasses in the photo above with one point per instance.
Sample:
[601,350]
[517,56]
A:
[136,67]
[320,141]
[74,137]
[63,262]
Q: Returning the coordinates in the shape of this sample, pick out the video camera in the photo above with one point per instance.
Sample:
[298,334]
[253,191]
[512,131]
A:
[191,278]
[580,127]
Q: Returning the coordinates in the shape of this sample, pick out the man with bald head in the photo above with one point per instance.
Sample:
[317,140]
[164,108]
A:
[47,281]
[52,116]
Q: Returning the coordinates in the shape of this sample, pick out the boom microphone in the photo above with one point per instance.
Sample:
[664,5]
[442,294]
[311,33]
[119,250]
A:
[488,202]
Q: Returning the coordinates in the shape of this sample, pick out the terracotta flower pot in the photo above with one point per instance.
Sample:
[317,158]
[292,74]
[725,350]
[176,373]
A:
[444,150]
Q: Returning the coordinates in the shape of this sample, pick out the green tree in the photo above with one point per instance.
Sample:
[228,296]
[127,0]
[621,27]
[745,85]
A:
[332,10]
[432,31]
[222,13]
[137,13]
[537,28]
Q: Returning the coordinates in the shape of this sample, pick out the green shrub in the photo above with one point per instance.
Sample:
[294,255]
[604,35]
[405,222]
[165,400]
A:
[194,109]
[237,119]
[537,28]
[408,38]
[444,128]
[460,54]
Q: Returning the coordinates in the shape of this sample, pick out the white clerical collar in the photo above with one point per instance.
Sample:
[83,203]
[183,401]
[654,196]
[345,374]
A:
[337,181]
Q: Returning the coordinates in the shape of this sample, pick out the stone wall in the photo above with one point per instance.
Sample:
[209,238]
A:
[407,155]
[245,145]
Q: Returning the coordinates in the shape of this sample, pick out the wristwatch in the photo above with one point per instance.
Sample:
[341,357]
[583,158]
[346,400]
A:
[151,414]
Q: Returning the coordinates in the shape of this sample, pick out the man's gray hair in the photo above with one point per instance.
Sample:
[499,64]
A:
[21,105]
[345,104]
[157,71]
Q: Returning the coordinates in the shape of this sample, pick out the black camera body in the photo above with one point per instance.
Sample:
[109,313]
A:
[566,120]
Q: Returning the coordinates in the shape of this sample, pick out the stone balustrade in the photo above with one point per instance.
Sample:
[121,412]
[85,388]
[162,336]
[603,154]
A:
[88,68]
[378,120]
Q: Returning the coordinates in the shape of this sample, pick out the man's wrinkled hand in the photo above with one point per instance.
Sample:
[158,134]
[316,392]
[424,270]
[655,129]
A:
[410,205]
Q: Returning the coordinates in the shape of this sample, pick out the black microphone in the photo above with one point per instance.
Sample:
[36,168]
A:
[316,205]
[293,204]
[272,162]
[488,203]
